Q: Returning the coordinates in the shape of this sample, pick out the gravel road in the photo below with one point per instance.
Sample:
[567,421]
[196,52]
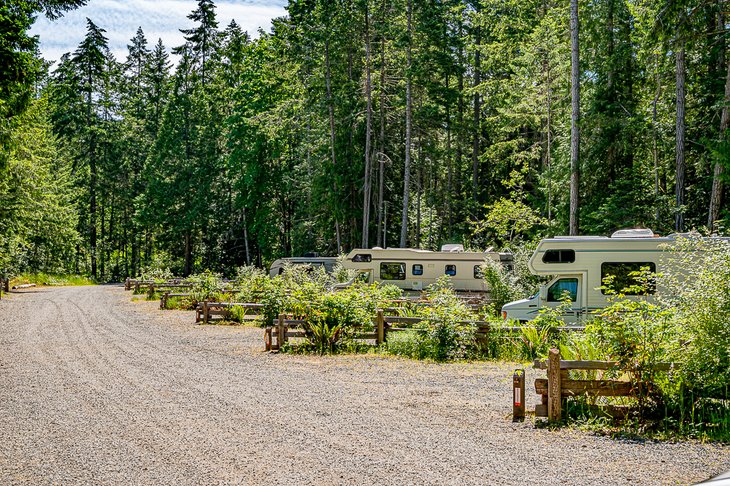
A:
[97,389]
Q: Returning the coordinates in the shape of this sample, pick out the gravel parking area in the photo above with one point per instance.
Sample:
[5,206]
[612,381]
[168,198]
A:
[97,389]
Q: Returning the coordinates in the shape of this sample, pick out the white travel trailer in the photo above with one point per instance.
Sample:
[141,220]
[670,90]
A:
[278,266]
[412,269]
[579,265]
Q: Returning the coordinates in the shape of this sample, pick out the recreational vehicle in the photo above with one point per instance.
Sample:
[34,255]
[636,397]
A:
[579,265]
[278,266]
[412,269]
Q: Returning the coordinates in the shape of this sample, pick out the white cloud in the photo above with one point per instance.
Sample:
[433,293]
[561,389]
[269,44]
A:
[158,19]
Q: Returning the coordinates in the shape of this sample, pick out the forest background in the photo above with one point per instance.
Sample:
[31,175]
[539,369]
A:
[356,123]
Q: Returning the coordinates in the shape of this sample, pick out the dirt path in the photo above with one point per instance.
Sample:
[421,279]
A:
[96,389]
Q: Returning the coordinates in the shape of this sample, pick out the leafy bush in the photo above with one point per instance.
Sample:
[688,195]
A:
[447,331]
[158,270]
[409,344]
[507,285]
[687,323]
[180,303]
[204,285]
[699,299]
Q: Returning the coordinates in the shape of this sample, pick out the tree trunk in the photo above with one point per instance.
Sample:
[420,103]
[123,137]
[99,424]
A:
[381,174]
[407,163]
[331,109]
[574,119]
[368,131]
[717,185]
[188,254]
[245,238]
[655,136]
[92,212]
[449,167]
[477,111]
[418,203]
[680,135]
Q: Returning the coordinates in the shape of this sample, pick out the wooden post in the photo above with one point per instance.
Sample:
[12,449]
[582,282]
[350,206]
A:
[554,386]
[163,300]
[518,395]
[205,311]
[281,330]
[126,284]
[380,322]
[151,291]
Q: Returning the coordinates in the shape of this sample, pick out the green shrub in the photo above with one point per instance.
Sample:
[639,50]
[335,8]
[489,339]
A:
[179,303]
[447,331]
[205,285]
[408,344]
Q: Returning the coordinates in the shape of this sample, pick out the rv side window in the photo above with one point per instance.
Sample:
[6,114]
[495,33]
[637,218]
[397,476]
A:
[557,290]
[559,256]
[624,276]
[417,269]
[393,271]
[450,270]
[362,258]
[478,272]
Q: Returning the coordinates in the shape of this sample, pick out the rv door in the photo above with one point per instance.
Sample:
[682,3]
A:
[560,288]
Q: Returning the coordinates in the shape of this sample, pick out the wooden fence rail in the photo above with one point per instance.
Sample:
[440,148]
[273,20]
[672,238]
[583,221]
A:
[209,311]
[558,386]
[284,328]
[383,325]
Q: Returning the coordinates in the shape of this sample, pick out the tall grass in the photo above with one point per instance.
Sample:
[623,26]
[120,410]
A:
[51,279]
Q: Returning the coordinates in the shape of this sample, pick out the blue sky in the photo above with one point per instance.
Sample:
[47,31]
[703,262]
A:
[159,19]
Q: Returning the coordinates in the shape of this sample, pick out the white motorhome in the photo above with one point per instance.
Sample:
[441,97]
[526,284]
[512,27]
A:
[412,269]
[579,265]
[278,266]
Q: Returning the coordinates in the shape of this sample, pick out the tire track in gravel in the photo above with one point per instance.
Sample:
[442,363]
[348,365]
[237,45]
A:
[88,369]
[135,372]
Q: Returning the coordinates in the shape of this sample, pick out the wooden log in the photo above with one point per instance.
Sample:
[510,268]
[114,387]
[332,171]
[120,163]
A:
[126,284]
[163,300]
[594,365]
[571,388]
[23,286]
[380,326]
[554,389]
[366,335]
[205,311]
[295,334]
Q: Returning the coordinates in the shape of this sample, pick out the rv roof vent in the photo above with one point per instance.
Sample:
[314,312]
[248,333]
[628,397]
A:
[453,248]
[377,248]
[633,233]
